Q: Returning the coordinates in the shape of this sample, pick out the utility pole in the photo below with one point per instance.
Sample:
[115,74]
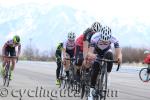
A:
[30,40]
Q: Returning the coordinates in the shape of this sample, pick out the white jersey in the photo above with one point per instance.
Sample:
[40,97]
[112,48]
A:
[11,43]
[69,45]
[97,41]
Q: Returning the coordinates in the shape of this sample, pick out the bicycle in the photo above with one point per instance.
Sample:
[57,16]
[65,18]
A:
[144,74]
[68,82]
[99,93]
[7,70]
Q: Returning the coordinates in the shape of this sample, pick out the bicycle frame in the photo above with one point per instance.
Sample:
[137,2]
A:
[69,82]
[101,86]
[7,75]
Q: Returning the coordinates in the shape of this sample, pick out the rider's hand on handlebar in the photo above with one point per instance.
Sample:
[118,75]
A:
[119,60]
[89,58]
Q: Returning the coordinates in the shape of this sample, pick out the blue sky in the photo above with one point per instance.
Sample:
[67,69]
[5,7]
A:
[48,21]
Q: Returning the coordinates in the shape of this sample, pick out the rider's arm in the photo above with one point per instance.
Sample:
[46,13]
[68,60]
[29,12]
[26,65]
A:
[118,51]
[86,40]
[19,50]
[64,50]
[85,48]
[91,49]
[3,49]
[118,54]
[64,53]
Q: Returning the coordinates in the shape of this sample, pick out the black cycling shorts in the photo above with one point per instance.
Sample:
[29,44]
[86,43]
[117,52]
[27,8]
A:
[78,56]
[10,51]
[71,53]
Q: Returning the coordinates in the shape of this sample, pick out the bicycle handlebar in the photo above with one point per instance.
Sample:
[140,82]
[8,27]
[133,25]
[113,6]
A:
[113,61]
[10,57]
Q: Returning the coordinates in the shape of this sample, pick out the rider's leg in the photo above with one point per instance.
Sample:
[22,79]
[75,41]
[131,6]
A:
[58,69]
[109,55]
[13,64]
[70,54]
[13,54]
[6,53]
[78,62]
[94,74]
[58,72]
[3,65]
[67,64]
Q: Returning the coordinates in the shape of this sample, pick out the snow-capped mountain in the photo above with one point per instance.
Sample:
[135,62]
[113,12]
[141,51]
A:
[46,28]
[49,25]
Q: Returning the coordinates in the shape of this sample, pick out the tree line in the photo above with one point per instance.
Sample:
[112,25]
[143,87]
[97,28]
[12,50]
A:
[129,54]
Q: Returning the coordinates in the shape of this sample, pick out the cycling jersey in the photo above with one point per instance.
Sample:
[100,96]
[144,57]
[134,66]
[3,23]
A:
[79,42]
[58,50]
[147,59]
[96,41]
[69,45]
[11,43]
[10,48]
[86,36]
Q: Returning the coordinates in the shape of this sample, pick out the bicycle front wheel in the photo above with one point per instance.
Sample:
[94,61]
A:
[144,75]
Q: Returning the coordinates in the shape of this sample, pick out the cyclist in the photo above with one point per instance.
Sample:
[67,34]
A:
[82,43]
[68,50]
[100,47]
[58,61]
[9,50]
[147,59]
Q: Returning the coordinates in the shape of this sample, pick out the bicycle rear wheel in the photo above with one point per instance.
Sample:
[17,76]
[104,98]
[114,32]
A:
[82,90]
[144,75]
[82,87]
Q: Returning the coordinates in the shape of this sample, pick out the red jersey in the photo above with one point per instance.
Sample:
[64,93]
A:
[86,36]
[79,41]
[147,59]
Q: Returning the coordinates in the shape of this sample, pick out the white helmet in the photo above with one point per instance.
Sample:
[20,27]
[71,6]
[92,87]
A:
[146,52]
[96,27]
[71,36]
[105,33]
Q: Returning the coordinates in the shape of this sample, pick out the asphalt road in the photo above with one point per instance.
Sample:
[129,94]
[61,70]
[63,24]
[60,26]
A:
[36,81]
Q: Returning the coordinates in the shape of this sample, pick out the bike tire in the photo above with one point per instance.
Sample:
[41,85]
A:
[82,90]
[104,85]
[146,76]
[82,87]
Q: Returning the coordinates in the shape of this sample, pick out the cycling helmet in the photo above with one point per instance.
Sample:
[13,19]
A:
[105,33]
[71,36]
[96,27]
[146,52]
[16,39]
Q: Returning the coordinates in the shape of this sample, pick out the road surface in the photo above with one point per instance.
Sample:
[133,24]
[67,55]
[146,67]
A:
[36,81]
